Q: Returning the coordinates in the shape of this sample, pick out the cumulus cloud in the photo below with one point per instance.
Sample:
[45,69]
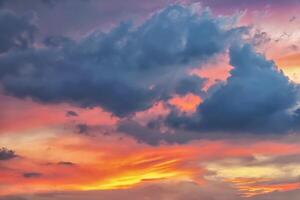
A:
[130,68]
[257,97]
[125,70]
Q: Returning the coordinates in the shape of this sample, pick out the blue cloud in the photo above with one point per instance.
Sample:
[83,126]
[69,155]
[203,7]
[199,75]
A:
[17,32]
[257,98]
[125,70]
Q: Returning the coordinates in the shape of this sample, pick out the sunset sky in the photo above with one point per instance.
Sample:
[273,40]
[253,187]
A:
[149,100]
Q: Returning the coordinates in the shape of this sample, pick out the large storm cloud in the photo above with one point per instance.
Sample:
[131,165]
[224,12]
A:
[124,70]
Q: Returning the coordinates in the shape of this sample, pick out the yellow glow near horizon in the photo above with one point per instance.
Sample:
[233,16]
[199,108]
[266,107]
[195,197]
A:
[131,179]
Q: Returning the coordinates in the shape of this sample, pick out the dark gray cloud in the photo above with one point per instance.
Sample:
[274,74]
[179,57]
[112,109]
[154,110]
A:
[257,97]
[125,70]
[17,32]
[6,154]
[71,113]
[152,134]
[32,175]
[83,129]
[141,133]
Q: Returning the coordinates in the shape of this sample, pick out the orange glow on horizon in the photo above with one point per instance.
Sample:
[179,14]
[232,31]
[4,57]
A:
[103,166]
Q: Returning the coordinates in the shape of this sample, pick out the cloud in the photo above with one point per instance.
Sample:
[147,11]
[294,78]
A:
[152,134]
[66,163]
[192,84]
[17,32]
[257,98]
[141,133]
[2,2]
[125,70]
[83,129]
[6,154]
[32,175]
[57,41]
[71,113]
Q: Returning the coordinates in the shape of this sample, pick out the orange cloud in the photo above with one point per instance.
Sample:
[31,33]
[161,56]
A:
[110,163]
[187,103]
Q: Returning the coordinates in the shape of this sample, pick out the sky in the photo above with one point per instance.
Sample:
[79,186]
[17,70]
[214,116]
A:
[161,99]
